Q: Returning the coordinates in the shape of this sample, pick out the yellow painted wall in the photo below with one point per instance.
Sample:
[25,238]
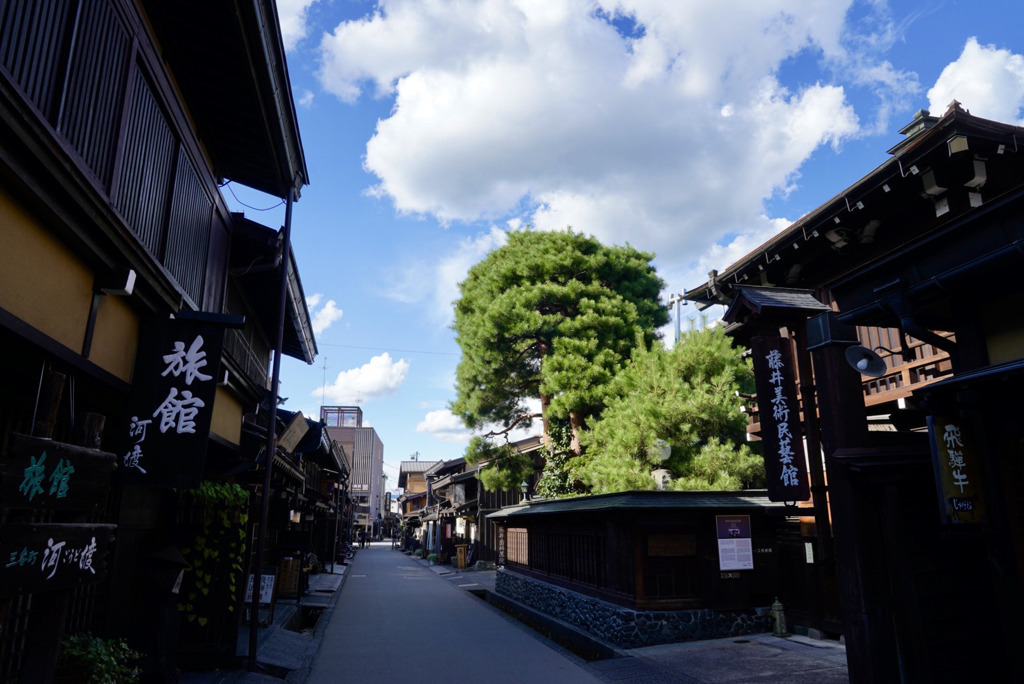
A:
[44,284]
[115,338]
[227,417]
[41,281]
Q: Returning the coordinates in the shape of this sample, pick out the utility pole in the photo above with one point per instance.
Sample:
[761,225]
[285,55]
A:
[675,301]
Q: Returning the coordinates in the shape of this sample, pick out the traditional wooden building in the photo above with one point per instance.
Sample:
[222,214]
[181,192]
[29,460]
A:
[119,122]
[413,483]
[454,511]
[319,513]
[915,266]
[645,567]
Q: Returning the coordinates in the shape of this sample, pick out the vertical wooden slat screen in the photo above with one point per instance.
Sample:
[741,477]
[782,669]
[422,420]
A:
[518,547]
[144,178]
[247,347]
[91,110]
[188,234]
[33,42]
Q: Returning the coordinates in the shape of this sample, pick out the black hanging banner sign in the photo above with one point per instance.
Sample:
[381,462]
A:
[49,556]
[41,474]
[775,380]
[171,406]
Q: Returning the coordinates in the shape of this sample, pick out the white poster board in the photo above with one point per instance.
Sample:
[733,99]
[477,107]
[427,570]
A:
[735,548]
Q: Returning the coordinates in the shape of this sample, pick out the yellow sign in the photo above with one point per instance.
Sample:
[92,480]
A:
[957,471]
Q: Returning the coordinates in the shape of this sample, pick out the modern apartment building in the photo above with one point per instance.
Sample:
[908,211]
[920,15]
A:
[366,453]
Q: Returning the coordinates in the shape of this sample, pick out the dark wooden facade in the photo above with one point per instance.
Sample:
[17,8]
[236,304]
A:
[119,120]
[454,494]
[646,550]
[923,249]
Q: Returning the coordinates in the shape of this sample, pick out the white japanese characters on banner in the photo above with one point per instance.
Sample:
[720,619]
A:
[954,459]
[779,413]
[172,404]
[50,556]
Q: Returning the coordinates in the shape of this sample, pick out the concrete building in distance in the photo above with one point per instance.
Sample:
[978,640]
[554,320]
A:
[366,460]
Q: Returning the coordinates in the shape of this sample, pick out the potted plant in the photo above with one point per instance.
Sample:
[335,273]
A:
[432,558]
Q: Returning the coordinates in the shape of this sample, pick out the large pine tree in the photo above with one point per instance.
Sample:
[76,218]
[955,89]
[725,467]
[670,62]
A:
[684,399]
[550,316]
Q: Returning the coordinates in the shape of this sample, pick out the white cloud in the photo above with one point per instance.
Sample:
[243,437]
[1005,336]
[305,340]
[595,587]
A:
[381,377]
[437,283]
[306,99]
[324,316]
[661,124]
[292,16]
[444,426]
[987,81]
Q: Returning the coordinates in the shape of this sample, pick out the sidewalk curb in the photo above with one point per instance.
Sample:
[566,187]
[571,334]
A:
[301,674]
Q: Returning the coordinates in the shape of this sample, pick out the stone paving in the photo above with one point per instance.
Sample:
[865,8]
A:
[388,618]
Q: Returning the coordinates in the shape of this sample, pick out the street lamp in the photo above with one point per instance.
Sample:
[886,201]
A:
[524,488]
[662,475]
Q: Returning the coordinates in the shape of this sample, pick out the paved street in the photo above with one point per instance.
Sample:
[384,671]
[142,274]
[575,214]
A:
[397,620]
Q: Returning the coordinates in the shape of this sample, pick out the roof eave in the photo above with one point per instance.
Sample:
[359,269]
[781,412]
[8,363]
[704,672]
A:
[229,62]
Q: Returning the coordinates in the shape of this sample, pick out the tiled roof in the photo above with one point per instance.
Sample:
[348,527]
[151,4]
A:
[643,500]
[416,466]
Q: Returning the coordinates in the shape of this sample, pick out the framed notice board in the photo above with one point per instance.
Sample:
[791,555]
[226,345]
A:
[268,587]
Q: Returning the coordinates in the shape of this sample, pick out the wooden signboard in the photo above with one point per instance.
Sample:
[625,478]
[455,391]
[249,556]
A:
[267,580]
[42,474]
[957,471]
[779,410]
[290,569]
[50,556]
[171,406]
[672,545]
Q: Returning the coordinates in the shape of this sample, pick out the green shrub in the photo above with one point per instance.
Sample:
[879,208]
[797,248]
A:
[91,659]
[418,553]
[433,558]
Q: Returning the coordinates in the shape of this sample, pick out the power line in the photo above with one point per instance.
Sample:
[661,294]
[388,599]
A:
[248,206]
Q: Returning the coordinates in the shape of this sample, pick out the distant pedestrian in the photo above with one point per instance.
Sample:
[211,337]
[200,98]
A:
[362,539]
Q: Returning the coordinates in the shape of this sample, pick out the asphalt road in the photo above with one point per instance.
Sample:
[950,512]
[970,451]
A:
[397,621]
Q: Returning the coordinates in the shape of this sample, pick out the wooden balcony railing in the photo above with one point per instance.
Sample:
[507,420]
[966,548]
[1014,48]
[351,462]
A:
[900,380]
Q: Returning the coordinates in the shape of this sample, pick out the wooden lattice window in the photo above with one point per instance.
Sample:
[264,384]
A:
[518,546]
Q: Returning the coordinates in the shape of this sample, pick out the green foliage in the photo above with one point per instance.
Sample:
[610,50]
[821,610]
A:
[686,398]
[94,660]
[505,468]
[216,552]
[550,316]
[433,557]
[559,477]
[418,553]
[722,466]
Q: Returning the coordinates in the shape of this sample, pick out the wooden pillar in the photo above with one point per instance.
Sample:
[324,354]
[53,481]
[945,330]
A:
[859,550]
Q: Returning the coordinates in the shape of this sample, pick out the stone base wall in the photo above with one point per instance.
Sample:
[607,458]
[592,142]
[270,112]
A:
[624,627]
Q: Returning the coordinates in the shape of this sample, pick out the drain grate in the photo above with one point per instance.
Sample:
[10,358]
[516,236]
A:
[305,619]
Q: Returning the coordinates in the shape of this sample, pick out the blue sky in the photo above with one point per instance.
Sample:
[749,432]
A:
[693,130]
